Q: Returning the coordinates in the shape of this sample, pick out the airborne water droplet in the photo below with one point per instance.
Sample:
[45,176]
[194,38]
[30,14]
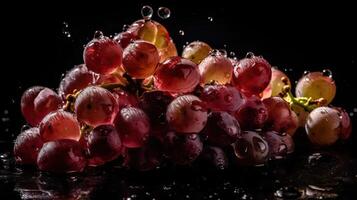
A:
[163,12]
[327,72]
[210,19]
[65,30]
[181,32]
[146,12]
[306,72]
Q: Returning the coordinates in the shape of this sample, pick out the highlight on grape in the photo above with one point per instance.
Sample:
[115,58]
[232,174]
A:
[136,99]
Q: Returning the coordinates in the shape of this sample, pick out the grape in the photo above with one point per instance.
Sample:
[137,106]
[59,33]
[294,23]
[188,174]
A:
[252,114]
[59,125]
[125,98]
[148,157]
[176,75]
[140,59]
[252,75]
[323,126]
[133,126]
[215,157]
[61,156]
[316,85]
[102,55]
[280,117]
[216,68]
[277,147]
[169,51]
[346,124]
[76,79]
[125,38]
[95,106]
[183,149]
[37,102]
[196,51]
[27,145]
[301,113]
[186,114]
[104,145]
[251,149]
[221,98]
[113,78]
[222,129]
[288,140]
[276,84]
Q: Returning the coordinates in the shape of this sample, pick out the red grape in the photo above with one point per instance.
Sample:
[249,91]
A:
[140,59]
[252,114]
[346,124]
[221,98]
[222,129]
[102,55]
[125,98]
[169,51]
[176,75]
[133,126]
[95,106]
[216,67]
[61,156]
[37,102]
[277,147]
[125,38]
[280,117]
[183,149]
[76,79]
[252,75]
[103,144]
[186,114]
[27,145]
[59,125]
[276,84]
[251,149]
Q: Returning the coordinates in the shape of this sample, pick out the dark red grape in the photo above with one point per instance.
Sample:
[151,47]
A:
[76,79]
[62,156]
[222,129]
[133,126]
[102,55]
[27,145]
[176,75]
[59,125]
[140,59]
[280,117]
[251,149]
[95,106]
[277,147]
[346,124]
[148,157]
[103,144]
[221,98]
[215,157]
[183,149]
[186,114]
[252,75]
[37,102]
[125,98]
[252,114]
[125,38]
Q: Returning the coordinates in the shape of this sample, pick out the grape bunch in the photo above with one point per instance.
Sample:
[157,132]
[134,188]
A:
[136,99]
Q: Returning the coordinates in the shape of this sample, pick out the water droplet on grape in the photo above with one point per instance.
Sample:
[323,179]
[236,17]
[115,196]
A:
[327,72]
[125,27]
[259,144]
[232,54]
[146,12]
[163,12]
[249,55]
[181,32]
[223,52]
[210,19]
[98,35]
[306,72]
[25,127]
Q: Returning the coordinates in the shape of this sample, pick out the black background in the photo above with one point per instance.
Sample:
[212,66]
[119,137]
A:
[295,37]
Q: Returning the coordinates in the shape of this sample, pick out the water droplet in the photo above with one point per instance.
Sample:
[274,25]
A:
[146,12]
[181,32]
[164,12]
[25,127]
[98,34]
[249,55]
[210,19]
[232,54]
[125,27]
[223,52]
[306,72]
[6,112]
[351,114]
[4,155]
[259,144]
[282,148]
[241,148]
[65,30]
[354,109]
[327,72]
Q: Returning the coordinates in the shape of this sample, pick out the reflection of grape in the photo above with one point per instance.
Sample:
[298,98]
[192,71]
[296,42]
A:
[316,85]
[196,51]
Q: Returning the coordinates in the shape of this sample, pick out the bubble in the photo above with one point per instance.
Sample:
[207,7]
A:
[98,34]
[210,19]
[164,12]
[232,54]
[181,32]
[125,27]
[146,12]
[249,55]
[327,72]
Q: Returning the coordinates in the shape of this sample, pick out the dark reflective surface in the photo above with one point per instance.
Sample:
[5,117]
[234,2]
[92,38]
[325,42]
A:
[294,38]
